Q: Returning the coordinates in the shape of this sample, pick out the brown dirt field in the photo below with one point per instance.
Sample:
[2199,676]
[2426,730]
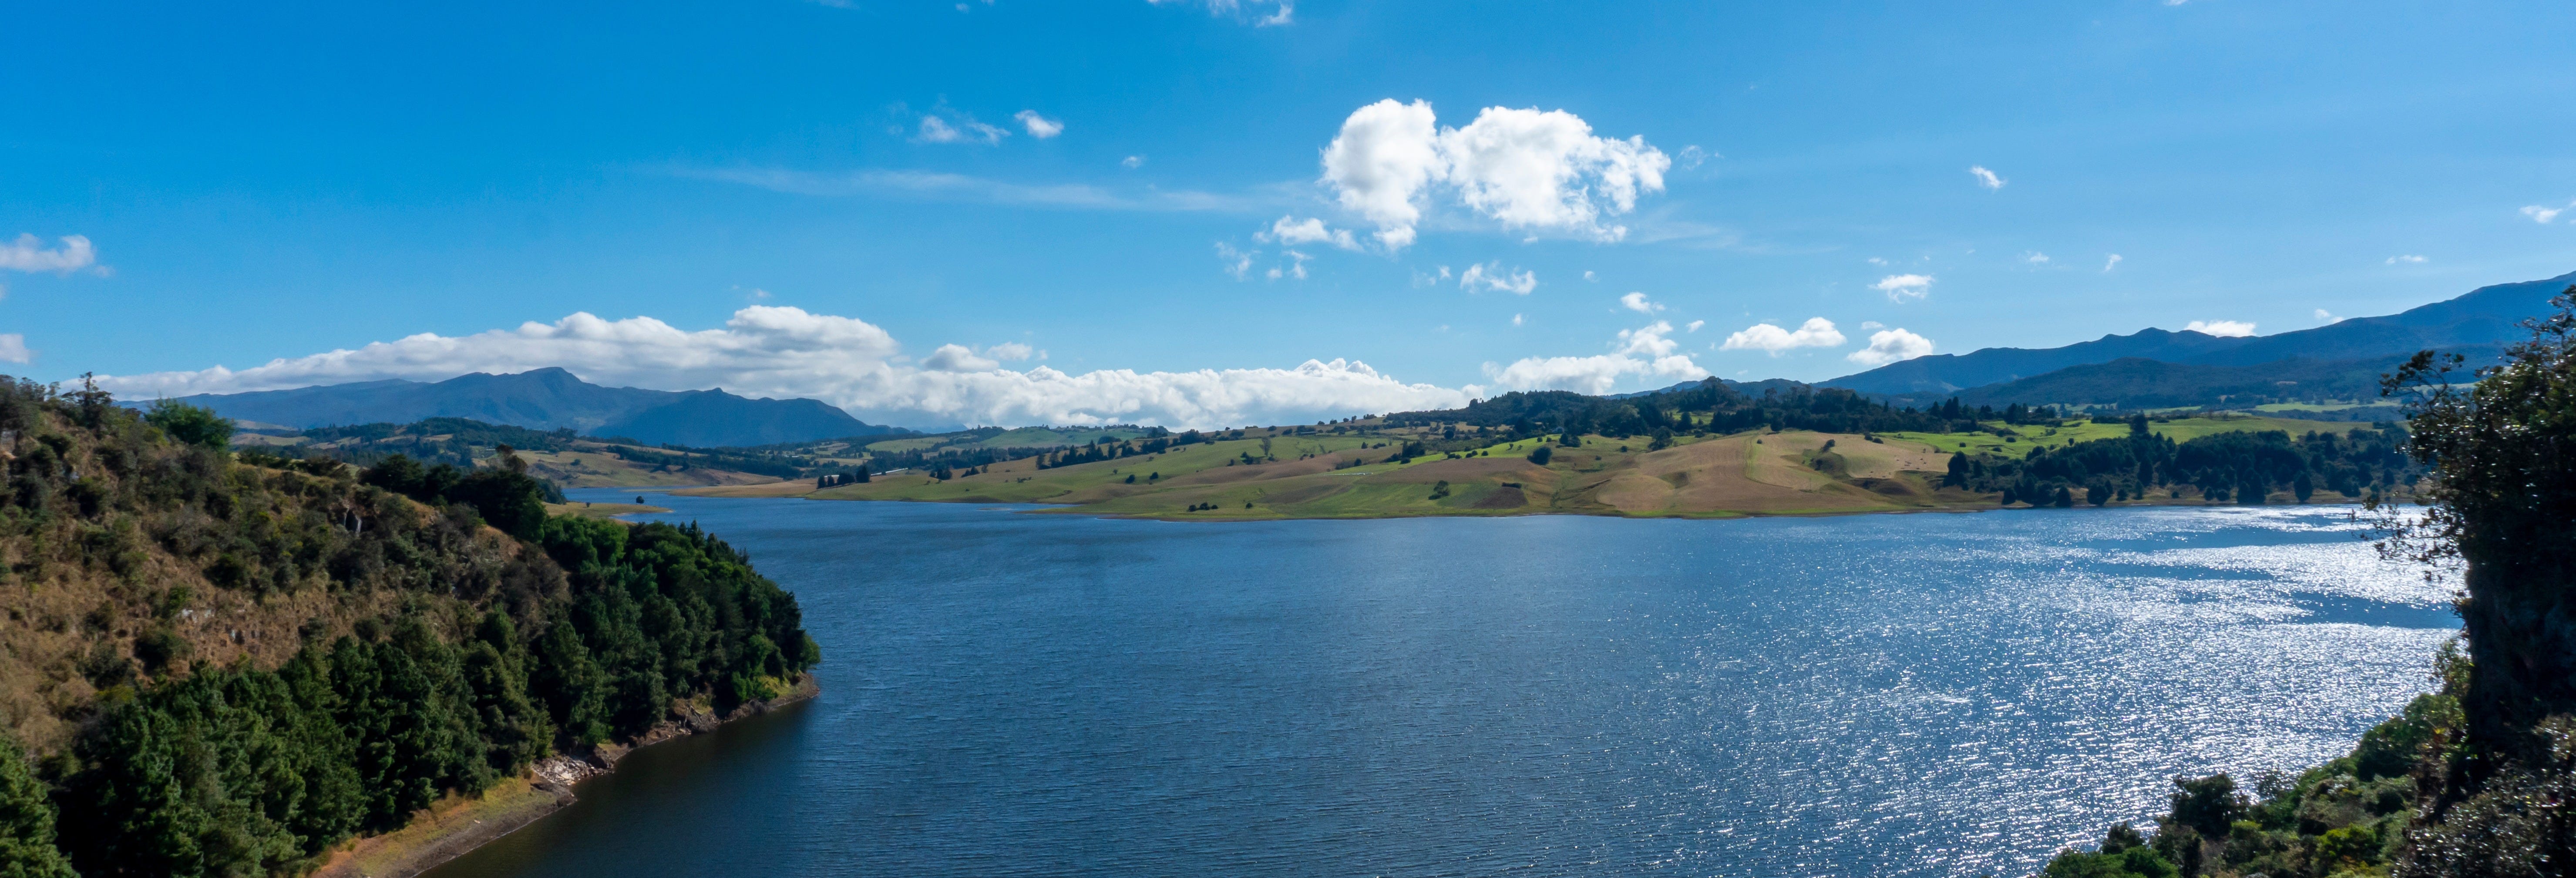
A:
[1632,491]
[1720,475]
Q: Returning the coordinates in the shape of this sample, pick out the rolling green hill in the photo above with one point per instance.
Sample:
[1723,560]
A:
[1370,469]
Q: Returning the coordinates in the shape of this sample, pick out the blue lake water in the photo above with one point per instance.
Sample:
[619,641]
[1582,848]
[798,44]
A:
[1952,695]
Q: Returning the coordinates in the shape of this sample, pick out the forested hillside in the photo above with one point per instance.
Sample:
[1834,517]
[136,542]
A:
[215,666]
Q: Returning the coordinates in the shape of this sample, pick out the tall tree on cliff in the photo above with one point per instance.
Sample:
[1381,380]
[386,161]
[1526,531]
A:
[2502,506]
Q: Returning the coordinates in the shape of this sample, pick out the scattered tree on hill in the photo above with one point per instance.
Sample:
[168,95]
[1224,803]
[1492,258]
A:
[190,425]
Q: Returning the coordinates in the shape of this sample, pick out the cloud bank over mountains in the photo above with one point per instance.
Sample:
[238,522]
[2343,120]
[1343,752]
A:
[788,352]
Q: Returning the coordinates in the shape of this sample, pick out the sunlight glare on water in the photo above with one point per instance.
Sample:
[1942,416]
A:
[1937,695]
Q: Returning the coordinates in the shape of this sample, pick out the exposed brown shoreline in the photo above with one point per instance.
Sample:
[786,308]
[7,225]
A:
[457,825]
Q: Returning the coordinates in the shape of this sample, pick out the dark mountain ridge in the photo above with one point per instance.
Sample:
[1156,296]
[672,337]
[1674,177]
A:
[2486,316]
[550,399]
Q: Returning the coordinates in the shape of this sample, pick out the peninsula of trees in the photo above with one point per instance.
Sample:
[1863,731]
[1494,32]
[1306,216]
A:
[227,665]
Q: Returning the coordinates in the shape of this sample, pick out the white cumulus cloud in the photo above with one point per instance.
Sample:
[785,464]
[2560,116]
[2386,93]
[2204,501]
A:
[1891,345]
[2544,215]
[1291,231]
[778,351]
[2221,328]
[1038,126]
[1491,276]
[13,348]
[1642,351]
[1904,287]
[1817,332]
[29,254]
[1012,351]
[1985,177]
[1637,302]
[1526,169]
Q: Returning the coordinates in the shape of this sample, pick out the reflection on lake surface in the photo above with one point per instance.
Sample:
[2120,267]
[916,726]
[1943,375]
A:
[1012,694]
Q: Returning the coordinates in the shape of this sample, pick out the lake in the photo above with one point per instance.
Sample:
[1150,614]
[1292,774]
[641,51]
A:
[1938,694]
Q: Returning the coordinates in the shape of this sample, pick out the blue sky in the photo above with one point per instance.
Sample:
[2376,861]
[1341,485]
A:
[281,182]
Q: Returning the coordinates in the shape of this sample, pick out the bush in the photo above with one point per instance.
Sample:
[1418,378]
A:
[190,425]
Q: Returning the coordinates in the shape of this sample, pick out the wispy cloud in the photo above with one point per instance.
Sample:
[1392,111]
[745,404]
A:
[2110,263]
[1985,177]
[942,186]
[1038,126]
[1492,276]
[2409,260]
[1637,302]
[934,129]
[1282,12]
[1904,287]
[1237,262]
[1292,231]
[2221,328]
[2544,215]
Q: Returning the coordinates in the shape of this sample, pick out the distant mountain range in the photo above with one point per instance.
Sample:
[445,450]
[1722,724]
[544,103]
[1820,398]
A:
[551,399]
[2485,318]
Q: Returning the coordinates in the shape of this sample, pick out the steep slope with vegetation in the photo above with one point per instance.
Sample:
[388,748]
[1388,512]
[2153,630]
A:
[228,667]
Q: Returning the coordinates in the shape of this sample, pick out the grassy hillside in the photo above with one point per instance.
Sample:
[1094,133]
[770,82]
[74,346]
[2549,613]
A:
[1363,473]
[2021,440]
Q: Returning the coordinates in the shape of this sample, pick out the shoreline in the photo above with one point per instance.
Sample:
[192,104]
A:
[1714,515]
[456,826]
